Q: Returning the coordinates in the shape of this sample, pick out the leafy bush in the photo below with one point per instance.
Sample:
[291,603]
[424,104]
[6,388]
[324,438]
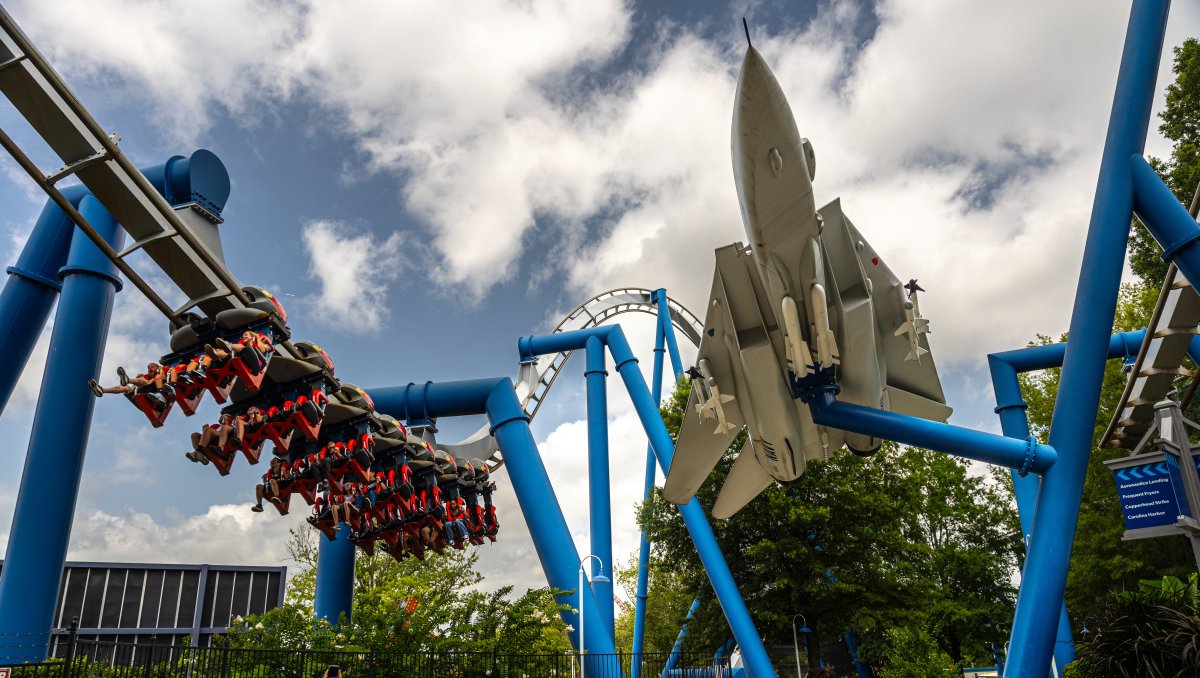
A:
[1153,632]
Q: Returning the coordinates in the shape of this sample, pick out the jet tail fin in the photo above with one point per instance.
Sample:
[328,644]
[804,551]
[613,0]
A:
[915,353]
[697,451]
[747,479]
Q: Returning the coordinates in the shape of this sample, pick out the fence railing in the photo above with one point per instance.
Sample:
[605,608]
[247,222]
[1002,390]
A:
[101,659]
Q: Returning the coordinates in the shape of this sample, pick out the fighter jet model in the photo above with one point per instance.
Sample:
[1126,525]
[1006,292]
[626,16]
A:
[808,300]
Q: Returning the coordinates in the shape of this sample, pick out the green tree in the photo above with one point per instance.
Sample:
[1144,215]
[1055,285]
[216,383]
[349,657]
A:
[907,538]
[437,604]
[668,600]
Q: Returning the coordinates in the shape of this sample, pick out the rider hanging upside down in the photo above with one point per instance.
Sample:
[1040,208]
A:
[153,383]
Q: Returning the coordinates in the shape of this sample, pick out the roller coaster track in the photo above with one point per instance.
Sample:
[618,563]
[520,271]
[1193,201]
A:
[536,379]
[1159,362]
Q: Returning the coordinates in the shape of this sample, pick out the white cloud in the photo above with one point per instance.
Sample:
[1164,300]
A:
[963,138]
[353,269]
[224,534]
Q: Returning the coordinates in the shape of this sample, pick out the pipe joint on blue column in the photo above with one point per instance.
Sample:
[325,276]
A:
[595,358]
[1161,212]
[502,406]
[35,278]
[84,258]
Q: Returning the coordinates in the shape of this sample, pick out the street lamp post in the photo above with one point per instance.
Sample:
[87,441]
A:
[599,579]
[796,642]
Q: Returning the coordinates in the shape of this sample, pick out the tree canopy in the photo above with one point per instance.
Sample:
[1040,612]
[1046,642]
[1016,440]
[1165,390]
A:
[438,604]
[907,539]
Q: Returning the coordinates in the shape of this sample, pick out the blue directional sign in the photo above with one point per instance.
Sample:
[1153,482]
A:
[1152,494]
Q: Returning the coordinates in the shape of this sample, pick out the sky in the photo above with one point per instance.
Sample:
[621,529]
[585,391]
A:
[420,186]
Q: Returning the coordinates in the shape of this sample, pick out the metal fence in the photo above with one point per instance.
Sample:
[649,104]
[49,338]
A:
[99,659]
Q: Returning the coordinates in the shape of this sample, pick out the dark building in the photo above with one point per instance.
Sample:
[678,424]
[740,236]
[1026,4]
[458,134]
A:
[154,604]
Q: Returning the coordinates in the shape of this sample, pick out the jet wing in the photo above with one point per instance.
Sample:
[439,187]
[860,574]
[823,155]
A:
[912,386]
[702,440]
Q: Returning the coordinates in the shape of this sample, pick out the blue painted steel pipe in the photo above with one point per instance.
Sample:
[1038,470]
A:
[964,442]
[668,330]
[1044,356]
[334,592]
[1010,406]
[1166,218]
[600,500]
[37,545]
[643,580]
[673,658]
[1039,603]
[851,640]
[30,292]
[754,654]
[665,333]
[531,484]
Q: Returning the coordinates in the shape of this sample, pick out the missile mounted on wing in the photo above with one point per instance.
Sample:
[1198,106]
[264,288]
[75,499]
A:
[808,301]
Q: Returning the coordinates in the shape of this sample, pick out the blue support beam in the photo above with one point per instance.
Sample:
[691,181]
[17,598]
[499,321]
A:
[754,654]
[1039,604]
[664,333]
[37,545]
[1026,455]
[531,483]
[1166,218]
[333,595]
[1011,407]
[664,321]
[677,649]
[599,483]
[32,289]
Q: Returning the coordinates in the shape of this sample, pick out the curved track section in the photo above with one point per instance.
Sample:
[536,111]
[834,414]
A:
[535,379]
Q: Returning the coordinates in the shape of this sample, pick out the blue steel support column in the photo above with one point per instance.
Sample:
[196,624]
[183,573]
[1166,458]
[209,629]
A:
[673,659]
[754,654]
[31,290]
[1072,428]
[643,581]
[600,501]
[37,545]
[851,639]
[531,483]
[1015,424]
[334,592]
[1010,405]
[664,320]
[1166,218]
[547,526]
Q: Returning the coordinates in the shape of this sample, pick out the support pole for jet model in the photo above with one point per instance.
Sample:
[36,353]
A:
[754,654]
[333,595]
[1014,422]
[37,545]
[531,484]
[664,336]
[1072,429]
[32,289]
[599,484]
